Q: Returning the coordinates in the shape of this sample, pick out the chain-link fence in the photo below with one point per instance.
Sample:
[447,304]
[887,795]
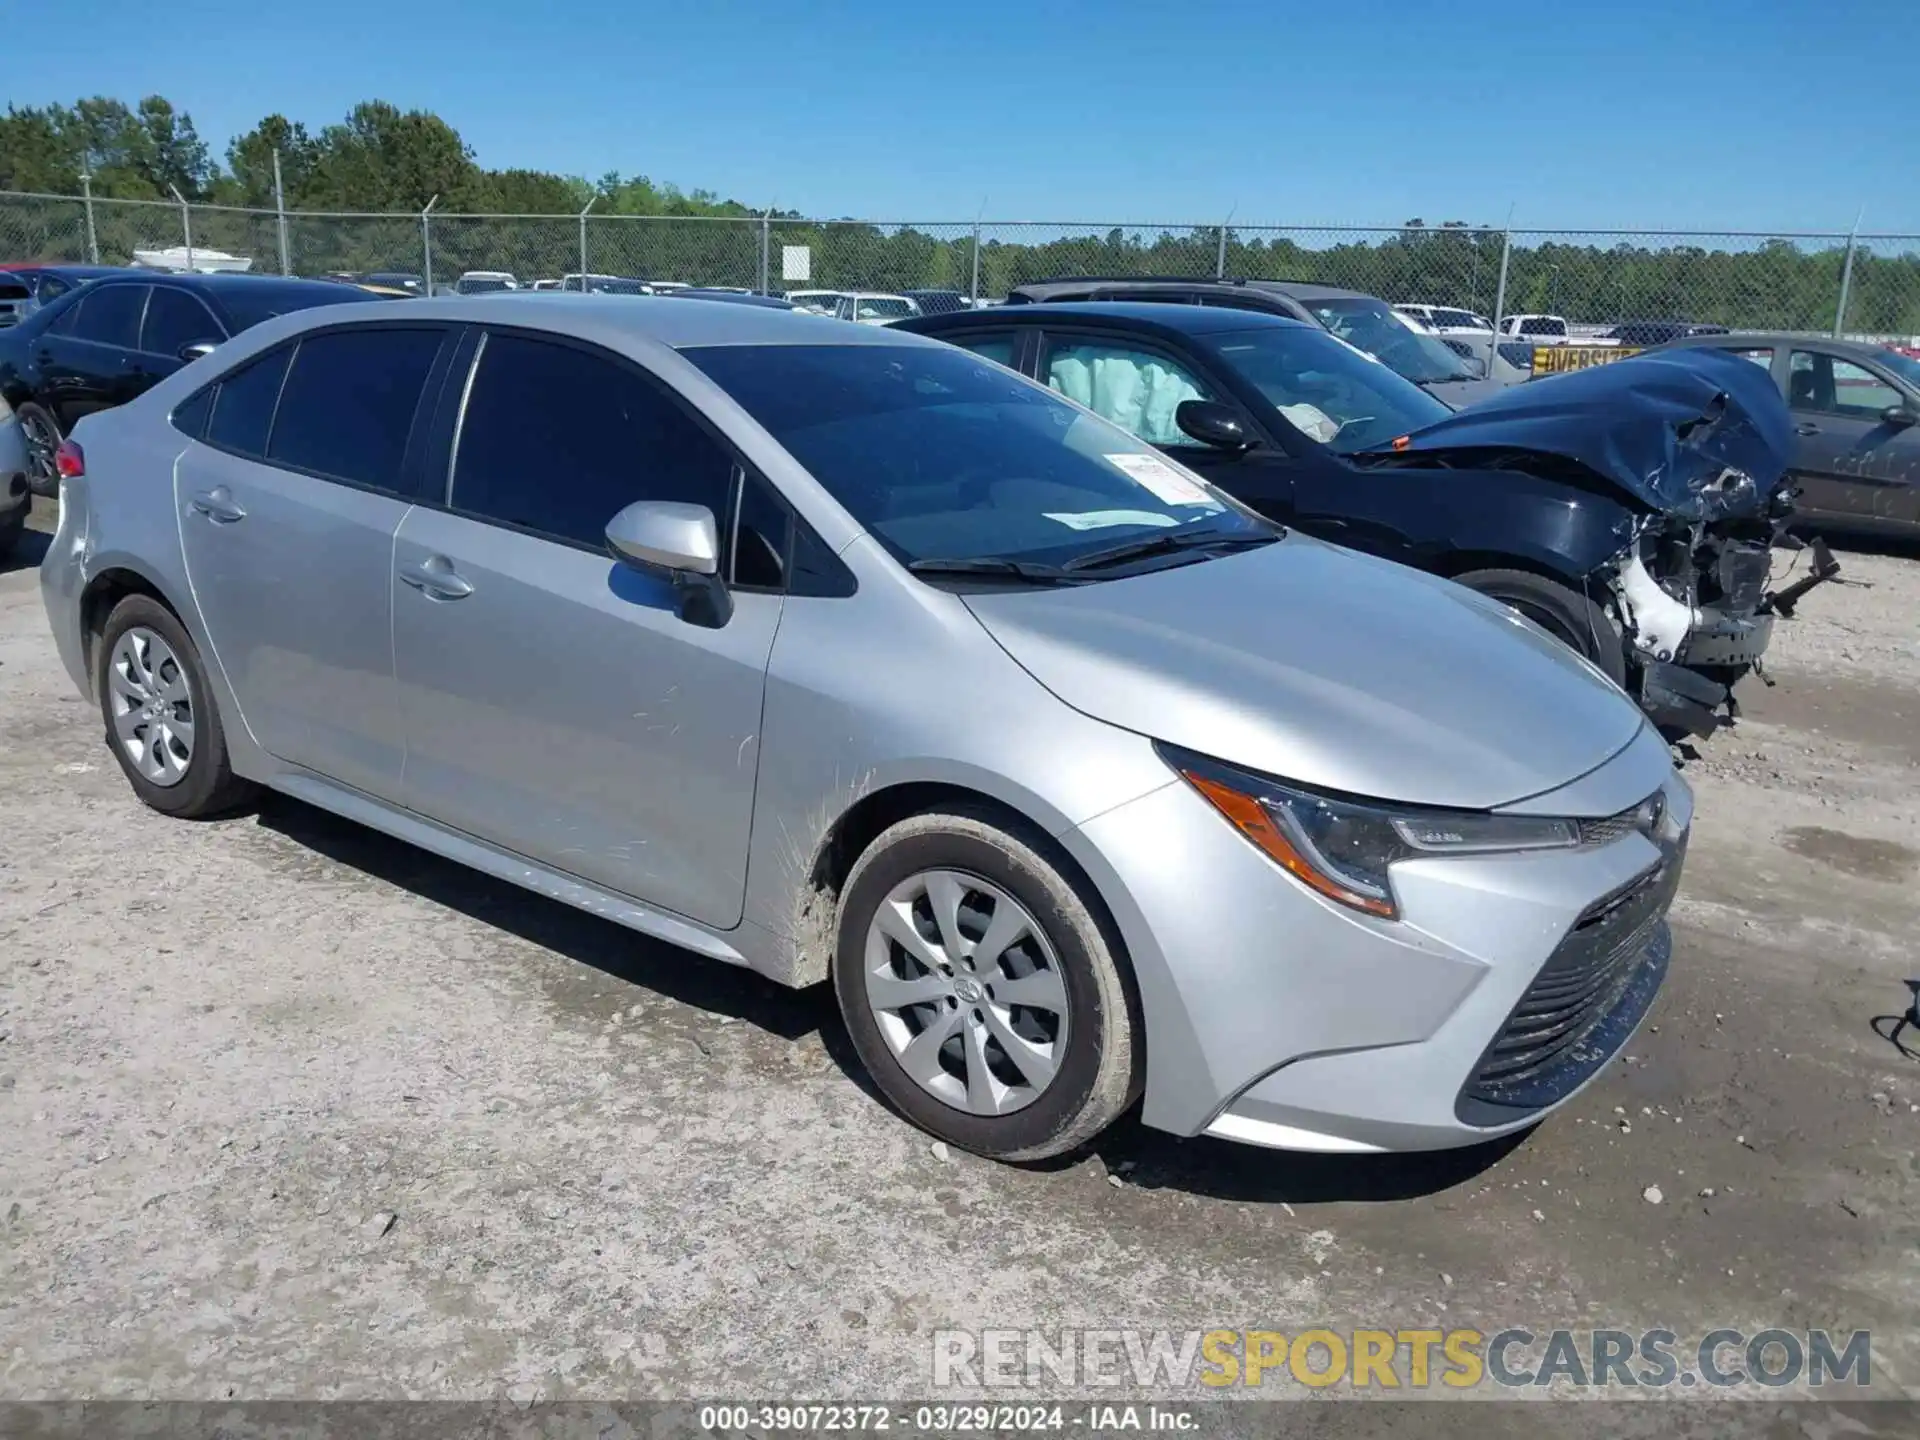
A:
[1861,284]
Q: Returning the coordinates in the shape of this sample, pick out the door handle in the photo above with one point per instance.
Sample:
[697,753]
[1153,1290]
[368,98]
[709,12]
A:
[436,578]
[1806,427]
[217,505]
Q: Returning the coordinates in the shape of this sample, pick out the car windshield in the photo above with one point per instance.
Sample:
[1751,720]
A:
[1329,392]
[1370,325]
[941,455]
[1905,366]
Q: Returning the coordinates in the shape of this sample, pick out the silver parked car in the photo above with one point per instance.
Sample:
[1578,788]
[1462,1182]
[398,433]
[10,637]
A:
[847,655]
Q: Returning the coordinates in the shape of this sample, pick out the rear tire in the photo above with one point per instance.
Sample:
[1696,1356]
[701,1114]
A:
[162,724]
[1019,1054]
[1564,613]
[42,434]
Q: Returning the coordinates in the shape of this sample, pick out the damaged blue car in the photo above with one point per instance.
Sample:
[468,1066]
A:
[1631,510]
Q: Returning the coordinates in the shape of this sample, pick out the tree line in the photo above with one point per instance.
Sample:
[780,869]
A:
[382,162]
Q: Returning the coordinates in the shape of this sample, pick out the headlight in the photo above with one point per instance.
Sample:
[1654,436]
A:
[1343,848]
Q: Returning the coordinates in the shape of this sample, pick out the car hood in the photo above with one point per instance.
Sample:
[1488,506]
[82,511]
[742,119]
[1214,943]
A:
[1665,427]
[1316,664]
[1461,393]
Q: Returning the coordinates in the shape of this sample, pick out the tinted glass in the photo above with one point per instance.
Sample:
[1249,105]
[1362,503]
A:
[1136,389]
[243,405]
[940,455]
[111,315]
[348,404]
[762,538]
[248,303]
[1371,326]
[566,468]
[1325,390]
[997,348]
[1858,391]
[175,320]
[190,416]
[52,287]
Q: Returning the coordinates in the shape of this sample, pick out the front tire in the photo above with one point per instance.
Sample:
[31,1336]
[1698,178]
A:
[981,992]
[42,434]
[162,724]
[1564,613]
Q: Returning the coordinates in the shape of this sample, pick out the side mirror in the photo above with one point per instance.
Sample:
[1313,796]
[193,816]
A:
[681,542]
[197,350]
[1212,423]
[1905,413]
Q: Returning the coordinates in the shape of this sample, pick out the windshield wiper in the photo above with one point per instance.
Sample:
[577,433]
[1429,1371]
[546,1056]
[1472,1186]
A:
[995,565]
[1165,544]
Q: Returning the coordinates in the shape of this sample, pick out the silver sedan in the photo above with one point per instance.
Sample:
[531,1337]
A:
[849,656]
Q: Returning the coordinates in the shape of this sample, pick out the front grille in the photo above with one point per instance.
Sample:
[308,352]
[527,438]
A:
[1581,1007]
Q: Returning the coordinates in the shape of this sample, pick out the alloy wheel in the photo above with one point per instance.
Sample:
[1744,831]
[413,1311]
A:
[967,992]
[43,473]
[152,706]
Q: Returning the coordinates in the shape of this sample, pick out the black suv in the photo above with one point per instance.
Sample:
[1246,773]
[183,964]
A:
[110,339]
[1363,321]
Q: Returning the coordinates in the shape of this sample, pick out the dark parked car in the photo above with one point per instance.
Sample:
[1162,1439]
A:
[1628,510]
[1658,332]
[937,302]
[27,285]
[1856,426]
[98,346]
[1360,319]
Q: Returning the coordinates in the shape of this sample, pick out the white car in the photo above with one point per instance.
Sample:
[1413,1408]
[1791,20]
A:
[485,282]
[1540,329]
[820,302]
[872,309]
[1446,319]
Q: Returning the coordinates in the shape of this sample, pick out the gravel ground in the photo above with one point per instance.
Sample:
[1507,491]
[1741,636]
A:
[291,1110]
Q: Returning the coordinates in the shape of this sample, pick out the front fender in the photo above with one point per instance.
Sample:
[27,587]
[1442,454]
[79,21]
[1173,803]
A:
[1552,526]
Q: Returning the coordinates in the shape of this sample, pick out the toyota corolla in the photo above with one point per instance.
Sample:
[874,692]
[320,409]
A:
[852,657]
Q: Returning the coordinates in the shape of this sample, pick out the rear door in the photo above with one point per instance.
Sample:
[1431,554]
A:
[85,360]
[176,319]
[1855,468]
[288,509]
[554,702]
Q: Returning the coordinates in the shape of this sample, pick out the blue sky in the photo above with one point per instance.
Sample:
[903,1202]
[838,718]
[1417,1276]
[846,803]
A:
[1612,113]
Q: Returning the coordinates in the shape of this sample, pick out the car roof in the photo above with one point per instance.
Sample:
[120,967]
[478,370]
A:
[1295,289]
[1777,340]
[664,319]
[60,267]
[228,284]
[1129,314]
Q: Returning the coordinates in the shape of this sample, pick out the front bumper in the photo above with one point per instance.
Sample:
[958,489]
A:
[1276,1017]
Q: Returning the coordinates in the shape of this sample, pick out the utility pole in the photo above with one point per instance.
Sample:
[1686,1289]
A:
[1500,289]
[973,289]
[584,287]
[280,212]
[1846,274]
[426,243]
[93,241]
[186,224]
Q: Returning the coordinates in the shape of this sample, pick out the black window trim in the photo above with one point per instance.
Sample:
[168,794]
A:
[726,525]
[410,478]
[220,327]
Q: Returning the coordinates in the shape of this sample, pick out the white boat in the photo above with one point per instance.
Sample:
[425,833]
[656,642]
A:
[179,257]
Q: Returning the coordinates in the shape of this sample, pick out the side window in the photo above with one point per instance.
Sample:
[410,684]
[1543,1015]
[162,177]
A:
[1138,390]
[1858,391]
[243,404]
[110,315]
[51,288]
[566,468]
[176,320]
[1809,381]
[347,407]
[997,348]
[190,416]
[762,538]
[1761,356]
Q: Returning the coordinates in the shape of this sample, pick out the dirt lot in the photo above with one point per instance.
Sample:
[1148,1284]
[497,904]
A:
[291,1110]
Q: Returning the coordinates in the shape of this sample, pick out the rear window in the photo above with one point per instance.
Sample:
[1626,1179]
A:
[347,407]
[1540,325]
[243,404]
[110,315]
[248,305]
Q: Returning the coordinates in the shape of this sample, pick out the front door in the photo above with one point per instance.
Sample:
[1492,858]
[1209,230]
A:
[287,516]
[554,702]
[1854,466]
[85,358]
